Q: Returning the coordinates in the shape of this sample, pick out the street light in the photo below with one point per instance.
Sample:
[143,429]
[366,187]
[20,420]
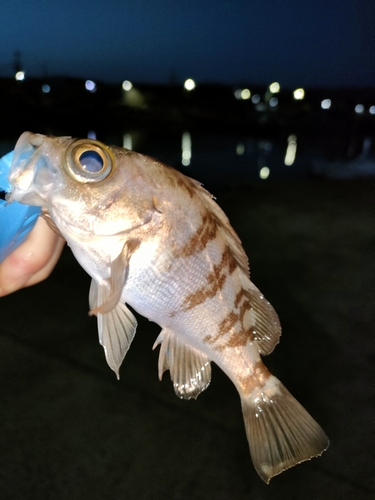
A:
[189,84]
[90,86]
[274,87]
[19,76]
[299,94]
[126,85]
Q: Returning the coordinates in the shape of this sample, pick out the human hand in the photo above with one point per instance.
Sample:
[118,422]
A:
[33,261]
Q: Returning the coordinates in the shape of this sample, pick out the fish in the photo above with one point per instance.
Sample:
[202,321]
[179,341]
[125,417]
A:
[154,239]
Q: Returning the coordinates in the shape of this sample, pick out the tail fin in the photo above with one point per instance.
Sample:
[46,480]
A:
[280,431]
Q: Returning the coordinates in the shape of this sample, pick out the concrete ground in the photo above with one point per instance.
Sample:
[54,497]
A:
[70,430]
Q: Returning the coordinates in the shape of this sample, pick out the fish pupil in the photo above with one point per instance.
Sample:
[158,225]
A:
[91,161]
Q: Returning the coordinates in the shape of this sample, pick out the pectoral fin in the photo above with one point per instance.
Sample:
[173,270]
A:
[116,324]
[116,328]
[190,369]
[112,288]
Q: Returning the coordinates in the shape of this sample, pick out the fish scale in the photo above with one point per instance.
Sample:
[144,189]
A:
[153,238]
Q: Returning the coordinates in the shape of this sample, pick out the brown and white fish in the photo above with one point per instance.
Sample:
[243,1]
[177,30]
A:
[153,238]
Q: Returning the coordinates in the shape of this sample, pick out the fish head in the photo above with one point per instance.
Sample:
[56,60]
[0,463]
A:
[88,188]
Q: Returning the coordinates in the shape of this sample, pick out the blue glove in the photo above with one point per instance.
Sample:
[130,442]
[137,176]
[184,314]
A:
[16,220]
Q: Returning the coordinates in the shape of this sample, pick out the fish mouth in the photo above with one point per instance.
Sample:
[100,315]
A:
[32,174]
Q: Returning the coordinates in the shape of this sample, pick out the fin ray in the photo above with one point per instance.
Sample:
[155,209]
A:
[281,433]
[267,328]
[116,329]
[189,368]
[223,224]
[112,288]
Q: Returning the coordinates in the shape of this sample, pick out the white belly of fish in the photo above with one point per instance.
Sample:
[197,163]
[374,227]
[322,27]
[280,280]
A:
[158,285]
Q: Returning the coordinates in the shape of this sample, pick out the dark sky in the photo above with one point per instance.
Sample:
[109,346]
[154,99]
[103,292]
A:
[296,42]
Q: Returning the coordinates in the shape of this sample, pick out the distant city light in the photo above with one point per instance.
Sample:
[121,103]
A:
[186,149]
[90,86]
[274,87]
[359,108]
[372,110]
[291,150]
[264,172]
[325,104]
[299,94]
[240,149]
[273,102]
[237,94]
[127,141]
[245,94]
[46,88]
[91,134]
[19,76]
[126,85]
[189,84]
[255,99]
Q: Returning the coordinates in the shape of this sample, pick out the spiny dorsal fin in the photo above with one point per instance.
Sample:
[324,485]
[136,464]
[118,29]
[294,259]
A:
[222,221]
[190,369]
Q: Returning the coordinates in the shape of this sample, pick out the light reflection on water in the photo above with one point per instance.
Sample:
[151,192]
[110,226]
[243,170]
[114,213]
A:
[219,161]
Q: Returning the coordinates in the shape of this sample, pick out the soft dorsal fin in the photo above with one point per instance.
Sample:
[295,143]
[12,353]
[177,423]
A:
[116,328]
[190,369]
[265,322]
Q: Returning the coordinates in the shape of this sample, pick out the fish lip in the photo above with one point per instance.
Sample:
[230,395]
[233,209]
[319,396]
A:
[32,172]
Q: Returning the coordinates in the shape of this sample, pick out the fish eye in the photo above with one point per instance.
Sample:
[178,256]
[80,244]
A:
[91,161]
[88,161]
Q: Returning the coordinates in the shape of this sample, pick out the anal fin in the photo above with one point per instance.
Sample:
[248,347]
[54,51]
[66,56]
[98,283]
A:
[190,369]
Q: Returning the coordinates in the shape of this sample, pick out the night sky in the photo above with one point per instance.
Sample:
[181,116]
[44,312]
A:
[306,43]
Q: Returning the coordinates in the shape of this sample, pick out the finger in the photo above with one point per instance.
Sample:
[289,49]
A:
[32,261]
